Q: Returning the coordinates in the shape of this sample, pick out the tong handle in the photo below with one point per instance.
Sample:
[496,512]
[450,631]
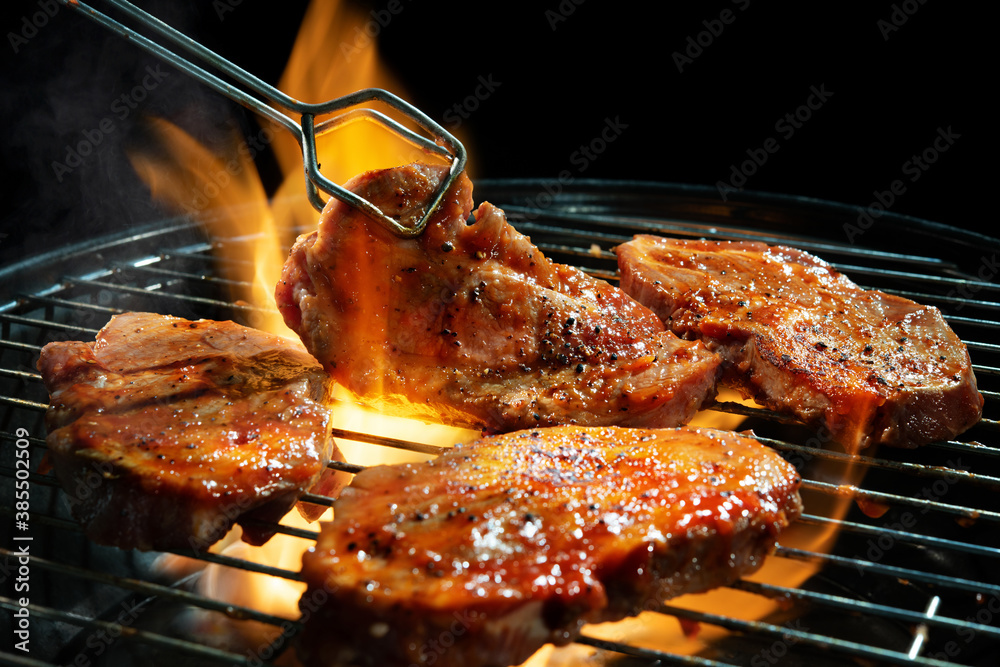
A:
[272,104]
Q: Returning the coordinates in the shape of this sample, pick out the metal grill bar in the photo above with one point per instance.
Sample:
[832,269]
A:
[152,590]
[971,321]
[151,270]
[907,574]
[388,442]
[155,292]
[884,464]
[900,536]
[193,649]
[524,219]
[22,403]
[959,301]
[922,504]
[53,302]
[656,657]
[910,277]
[845,647]
[851,605]
[24,660]
[42,324]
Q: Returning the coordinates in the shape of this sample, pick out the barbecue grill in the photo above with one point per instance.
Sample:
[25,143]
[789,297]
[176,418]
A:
[911,578]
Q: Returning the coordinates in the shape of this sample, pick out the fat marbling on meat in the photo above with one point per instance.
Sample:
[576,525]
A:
[516,540]
[470,324]
[166,431]
[803,339]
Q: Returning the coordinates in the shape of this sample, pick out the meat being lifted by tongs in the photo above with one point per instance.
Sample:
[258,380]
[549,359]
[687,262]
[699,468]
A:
[470,324]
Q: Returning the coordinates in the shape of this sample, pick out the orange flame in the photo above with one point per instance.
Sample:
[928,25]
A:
[226,195]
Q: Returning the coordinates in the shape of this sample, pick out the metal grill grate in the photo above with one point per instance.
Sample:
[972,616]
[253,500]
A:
[912,574]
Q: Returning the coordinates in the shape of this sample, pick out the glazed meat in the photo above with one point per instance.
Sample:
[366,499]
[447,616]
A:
[165,431]
[517,540]
[470,324]
[802,339]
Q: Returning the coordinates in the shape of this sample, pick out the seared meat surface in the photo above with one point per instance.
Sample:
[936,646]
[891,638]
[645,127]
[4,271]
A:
[165,431]
[471,325]
[802,339]
[517,540]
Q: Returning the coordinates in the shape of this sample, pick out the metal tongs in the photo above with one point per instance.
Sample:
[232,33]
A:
[269,102]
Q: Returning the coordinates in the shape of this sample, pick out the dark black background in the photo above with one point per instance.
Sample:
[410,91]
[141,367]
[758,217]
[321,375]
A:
[560,71]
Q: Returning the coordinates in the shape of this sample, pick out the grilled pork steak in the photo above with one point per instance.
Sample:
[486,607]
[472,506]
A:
[470,324]
[801,338]
[165,431]
[517,540]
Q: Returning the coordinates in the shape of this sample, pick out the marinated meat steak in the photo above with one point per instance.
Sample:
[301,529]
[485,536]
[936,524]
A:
[165,431]
[471,325]
[517,540]
[802,339]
